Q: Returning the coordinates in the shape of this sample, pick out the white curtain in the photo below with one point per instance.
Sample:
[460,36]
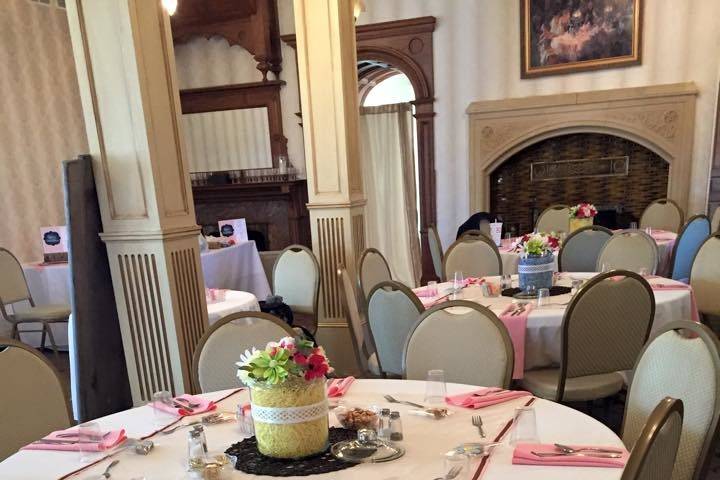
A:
[388,170]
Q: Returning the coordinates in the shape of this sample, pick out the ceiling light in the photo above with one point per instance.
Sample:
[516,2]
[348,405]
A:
[170,6]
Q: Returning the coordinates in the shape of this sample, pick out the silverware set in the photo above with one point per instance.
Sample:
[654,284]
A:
[518,310]
[566,451]
[391,399]
[211,419]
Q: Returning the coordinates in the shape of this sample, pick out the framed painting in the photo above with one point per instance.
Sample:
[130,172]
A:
[567,36]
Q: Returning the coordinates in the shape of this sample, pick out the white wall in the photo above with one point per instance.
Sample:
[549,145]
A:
[477,44]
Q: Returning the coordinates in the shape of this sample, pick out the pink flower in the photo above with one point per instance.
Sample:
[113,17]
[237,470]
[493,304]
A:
[300,359]
[317,367]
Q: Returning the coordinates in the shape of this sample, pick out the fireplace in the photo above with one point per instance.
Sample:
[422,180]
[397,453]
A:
[619,176]
[619,149]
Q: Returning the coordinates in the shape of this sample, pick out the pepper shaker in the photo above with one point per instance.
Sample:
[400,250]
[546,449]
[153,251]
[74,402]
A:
[384,424]
[201,431]
[396,430]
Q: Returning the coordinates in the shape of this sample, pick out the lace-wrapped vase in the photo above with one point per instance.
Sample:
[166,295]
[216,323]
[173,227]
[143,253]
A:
[291,418]
[536,271]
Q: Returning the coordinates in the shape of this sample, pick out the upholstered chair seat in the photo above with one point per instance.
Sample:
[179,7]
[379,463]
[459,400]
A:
[372,268]
[474,256]
[296,278]
[688,242]
[581,249]
[663,214]
[544,384]
[555,218]
[632,250]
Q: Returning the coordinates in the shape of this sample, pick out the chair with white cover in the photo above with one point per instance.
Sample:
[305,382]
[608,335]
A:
[654,453]
[436,250]
[464,339]
[393,310]
[581,249]
[372,268]
[688,242]
[632,250]
[603,331]
[555,218]
[715,222]
[705,276]
[682,361]
[363,344]
[33,399]
[222,344]
[14,290]
[474,256]
[663,214]
[296,278]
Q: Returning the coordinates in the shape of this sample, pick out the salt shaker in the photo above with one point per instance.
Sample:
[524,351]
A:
[396,431]
[196,451]
[384,424]
[201,431]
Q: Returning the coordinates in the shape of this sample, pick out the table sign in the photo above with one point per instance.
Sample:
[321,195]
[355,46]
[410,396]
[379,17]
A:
[235,230]
[496,232]
[54,243]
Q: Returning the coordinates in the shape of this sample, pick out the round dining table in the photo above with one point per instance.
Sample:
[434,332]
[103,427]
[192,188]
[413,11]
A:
[426,440]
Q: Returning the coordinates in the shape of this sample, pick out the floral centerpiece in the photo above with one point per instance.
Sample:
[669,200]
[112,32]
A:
[537,259]
[582,215]
[288,397]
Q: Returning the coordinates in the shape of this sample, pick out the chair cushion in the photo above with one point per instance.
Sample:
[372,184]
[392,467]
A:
[543,383]
[46,313]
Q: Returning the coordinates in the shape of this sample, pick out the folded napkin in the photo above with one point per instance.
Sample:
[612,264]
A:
[661,235]
[523,456]
[425,292]
[204,406]
[680,286]
[339,386]
[485,397]
[110,440]
[517,327]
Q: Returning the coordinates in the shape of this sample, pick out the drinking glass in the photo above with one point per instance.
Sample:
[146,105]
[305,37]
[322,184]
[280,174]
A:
[576,284]
[633,225]
[543,296]
[160,417]
[506,281]
[435,387]
[530,290]
[89,435]
[432,289]
[649,231]
[454,460]
[524,426]
[458,284]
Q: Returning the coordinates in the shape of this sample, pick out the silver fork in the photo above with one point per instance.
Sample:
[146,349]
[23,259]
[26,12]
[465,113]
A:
[454,472]
[477,421]
[391,399]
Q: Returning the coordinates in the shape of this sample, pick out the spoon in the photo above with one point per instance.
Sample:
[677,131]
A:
[211,419]
[106,473]
[577,454]
[567,449]
[391,399]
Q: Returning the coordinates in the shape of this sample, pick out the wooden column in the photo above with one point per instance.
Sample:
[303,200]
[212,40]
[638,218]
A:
[327,70]
[125,64]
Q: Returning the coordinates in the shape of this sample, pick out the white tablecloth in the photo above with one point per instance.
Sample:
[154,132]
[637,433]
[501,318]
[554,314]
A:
[426,440]
[234,302]
[543,338]
[233,268]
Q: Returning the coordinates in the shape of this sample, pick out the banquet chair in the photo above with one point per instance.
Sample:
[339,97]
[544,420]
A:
[715,223]
[393,309]
[372,268]
[474,256]
[34,401]
[464,339]
[13,290]
[682,361]
[436,250]
[222,344]
[632,250]
[663,214]
[705,276]
[363,344]
[603,331]
[688,242]
[296,278]
[475,234]
[555,218]
[654,453]
[581,249]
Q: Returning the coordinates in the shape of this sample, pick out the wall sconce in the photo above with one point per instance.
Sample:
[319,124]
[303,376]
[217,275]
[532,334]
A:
[358,8]
[170,6]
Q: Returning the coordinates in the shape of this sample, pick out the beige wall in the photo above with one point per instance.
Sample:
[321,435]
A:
[41,122]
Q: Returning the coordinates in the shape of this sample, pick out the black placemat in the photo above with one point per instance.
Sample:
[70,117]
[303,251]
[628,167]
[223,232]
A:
[556,290]
[250,460]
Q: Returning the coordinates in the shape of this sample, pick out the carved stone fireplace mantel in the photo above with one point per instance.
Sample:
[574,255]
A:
[660,118]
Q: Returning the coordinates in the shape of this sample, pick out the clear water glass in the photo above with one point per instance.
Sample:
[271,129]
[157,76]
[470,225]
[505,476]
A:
[432,289]
[458,284]
[530,290]
[506,281]
[89,435]
[435,389]
[524,426]
[649,231]
[452,461]
[543,296]
[160,417]
[633,225]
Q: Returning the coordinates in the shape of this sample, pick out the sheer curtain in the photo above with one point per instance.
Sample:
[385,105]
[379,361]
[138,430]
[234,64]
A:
[388,169]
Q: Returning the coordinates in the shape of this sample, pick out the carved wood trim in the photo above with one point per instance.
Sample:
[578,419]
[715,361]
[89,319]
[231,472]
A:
[239,96]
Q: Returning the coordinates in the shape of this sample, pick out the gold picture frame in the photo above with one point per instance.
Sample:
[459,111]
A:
[569,36]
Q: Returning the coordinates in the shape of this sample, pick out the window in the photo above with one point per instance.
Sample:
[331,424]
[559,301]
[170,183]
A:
[395,89]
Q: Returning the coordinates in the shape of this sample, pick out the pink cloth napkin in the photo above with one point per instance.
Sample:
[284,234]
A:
[517,327]
[663,235]
[204,406]
[523,456]
[339,386]
[485,397]
[680,286]
[110,440]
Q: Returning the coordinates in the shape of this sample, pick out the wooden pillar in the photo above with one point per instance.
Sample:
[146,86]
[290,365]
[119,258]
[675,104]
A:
[327,69]
[125,64]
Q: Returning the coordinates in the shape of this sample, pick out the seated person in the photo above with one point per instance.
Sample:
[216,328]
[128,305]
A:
[477,221]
